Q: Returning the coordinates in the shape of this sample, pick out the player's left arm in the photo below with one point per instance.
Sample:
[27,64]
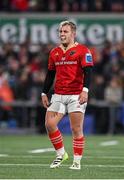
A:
[87,65]
[83,97]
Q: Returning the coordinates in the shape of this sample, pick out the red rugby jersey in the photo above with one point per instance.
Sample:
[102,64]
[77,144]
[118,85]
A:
[68,66]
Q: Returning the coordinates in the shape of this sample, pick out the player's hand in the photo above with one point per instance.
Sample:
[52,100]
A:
[45,101]
[83,97]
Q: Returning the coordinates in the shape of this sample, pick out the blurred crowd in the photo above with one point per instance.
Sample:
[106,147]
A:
[108,77]
[23,68]
[62,6]
[108,85]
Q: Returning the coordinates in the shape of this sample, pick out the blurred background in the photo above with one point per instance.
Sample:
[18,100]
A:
[28,31]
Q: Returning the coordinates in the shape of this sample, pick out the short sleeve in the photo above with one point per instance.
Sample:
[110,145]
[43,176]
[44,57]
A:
[86,57]
[51,64]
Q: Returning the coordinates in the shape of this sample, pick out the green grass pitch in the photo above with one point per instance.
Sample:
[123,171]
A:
[99,162]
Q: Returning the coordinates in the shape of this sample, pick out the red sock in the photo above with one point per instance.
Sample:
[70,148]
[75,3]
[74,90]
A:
[78,146]
[56,139]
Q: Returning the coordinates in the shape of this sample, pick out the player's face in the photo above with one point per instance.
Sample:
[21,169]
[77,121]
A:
[66,34]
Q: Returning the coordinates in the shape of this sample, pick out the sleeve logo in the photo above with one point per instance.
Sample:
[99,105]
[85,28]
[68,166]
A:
[88,58]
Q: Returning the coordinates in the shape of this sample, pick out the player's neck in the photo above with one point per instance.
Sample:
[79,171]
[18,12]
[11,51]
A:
[65,47]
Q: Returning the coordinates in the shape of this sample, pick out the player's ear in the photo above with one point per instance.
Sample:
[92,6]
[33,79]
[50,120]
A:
[74,34]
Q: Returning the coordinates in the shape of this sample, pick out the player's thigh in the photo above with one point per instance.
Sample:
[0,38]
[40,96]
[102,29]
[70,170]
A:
[56,104]
[52,118]
[76,121]
[75,106]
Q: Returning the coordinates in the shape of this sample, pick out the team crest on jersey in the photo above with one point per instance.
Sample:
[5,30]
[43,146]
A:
[56,54]
[72,52]
[88,58]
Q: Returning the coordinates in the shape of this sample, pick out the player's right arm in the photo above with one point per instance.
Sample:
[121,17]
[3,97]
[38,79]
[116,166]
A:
[47,85]
[48,81]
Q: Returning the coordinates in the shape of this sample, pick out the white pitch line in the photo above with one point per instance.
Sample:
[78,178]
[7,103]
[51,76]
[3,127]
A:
[47,157]
[3,155]
[109,143]
[84,165]
[44,150]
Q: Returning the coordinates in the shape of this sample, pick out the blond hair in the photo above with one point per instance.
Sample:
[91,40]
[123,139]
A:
[71,24]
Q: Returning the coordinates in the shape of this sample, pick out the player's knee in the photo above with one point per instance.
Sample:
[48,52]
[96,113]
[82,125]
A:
[76,131]
[50,125]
